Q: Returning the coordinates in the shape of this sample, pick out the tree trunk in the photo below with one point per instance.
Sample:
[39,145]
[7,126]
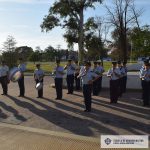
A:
[81,37]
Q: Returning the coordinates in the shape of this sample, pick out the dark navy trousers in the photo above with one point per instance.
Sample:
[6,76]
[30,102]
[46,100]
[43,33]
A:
[87,90]
[58,86]
[21,86]
[114,91]
[4,83]
[70,82]
[146,92]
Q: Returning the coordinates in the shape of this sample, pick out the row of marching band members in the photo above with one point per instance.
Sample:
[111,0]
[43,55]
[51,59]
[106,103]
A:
[91,79]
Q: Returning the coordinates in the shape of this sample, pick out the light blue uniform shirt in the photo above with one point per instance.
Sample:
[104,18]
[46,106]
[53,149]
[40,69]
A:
[123,71]
[57,71]
[99,70]
[88,76]
[22,67]
[38,73]
[145,74]
[70,69]
[112,73]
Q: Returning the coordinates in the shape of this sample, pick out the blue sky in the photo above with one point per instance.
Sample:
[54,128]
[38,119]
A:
[22,19]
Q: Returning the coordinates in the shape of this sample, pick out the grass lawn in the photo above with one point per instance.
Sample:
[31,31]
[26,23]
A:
[49,66]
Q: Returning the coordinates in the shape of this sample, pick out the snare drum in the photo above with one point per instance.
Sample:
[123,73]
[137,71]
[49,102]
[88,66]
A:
[39,86]
[15,74]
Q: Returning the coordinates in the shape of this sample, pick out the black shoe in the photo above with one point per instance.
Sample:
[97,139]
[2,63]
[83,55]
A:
[86,110]
[58,98]
[39,97]
[68,93]
[4,94]
[21,96]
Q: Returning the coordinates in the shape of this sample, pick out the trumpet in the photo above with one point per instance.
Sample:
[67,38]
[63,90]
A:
[82,73]
[144,76]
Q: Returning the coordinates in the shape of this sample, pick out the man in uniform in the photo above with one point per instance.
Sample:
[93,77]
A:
[141,70]
[100,70]
[124,78]
[122,71]
[22,68]
[114,75]
[70,67]
[4,70]
[95,83]
[38,77]
[88,77]
[77,80]
[145,77]
[59,72]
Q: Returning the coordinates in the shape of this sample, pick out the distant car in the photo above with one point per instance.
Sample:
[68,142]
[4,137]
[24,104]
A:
[148,58]
[107,59]
[141,59]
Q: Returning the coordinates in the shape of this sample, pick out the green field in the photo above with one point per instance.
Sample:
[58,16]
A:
[49,66]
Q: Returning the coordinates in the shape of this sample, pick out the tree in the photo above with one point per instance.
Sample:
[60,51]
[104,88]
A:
[122,16]
[9,54]
[35,56]
[50,53]
[24,52]
[140,40]
[69,14]
[93,39]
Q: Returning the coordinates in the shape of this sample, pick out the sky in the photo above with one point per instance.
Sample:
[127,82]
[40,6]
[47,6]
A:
[22,18]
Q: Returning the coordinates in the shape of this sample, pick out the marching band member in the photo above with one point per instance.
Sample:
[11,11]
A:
[121,78]
[38,77]
[22,68]
[58,72]
[114,74]
[142,68]
[87,79]
[77,80]
[70,67]
[4,70]
[95,83]
[124,78]
[100,70]
[145,77]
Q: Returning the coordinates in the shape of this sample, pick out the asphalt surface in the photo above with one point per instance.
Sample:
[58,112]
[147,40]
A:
[67,116]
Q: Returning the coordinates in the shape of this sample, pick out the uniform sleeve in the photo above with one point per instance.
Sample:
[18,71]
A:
[141,73]
[123,71]
[94,74]
[23,68]
[109,72]
[7,69]
[118,71]
[61,69]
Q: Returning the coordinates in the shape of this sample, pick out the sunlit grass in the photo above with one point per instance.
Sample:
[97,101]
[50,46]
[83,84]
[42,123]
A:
[49,66]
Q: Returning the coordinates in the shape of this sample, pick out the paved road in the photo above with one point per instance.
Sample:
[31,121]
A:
[126,117]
